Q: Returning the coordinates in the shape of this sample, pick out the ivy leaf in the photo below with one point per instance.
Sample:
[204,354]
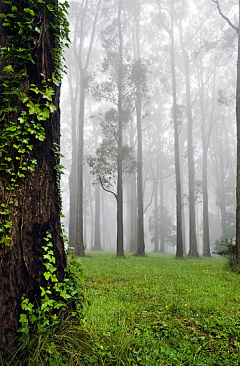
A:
[30,11]
[8,69]
[38,30]
[49,92]
[52,107]
[23,318]
[25,99]
[12,128]
[33,108]
[5,240]
[35,89]
[46,113]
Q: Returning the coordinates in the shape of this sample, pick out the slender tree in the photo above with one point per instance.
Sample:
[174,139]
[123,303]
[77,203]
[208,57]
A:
[170,31]
[76,180]
[193,251]
[237,29]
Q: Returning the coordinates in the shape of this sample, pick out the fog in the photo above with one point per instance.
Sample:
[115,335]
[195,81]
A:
[148,125]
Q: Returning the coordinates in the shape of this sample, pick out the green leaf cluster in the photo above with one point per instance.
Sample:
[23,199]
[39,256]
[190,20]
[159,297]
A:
[56,297]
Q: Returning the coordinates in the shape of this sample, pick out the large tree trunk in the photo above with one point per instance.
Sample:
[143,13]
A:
[36,202]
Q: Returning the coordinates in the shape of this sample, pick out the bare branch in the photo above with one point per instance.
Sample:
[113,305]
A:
[105,189]
[149,204]
[224,16]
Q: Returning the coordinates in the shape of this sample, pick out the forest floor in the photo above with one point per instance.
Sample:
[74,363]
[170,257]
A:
[159,310]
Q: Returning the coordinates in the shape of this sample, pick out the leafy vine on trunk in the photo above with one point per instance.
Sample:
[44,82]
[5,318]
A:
[18,135]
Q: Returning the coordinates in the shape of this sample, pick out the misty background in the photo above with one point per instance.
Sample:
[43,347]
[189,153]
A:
[179,59]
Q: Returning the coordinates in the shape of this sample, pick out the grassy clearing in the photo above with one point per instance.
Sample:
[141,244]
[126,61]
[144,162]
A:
[148,311]
[161,311]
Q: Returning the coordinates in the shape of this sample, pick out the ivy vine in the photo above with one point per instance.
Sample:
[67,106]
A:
[33,105]
[55,296]
[25,109]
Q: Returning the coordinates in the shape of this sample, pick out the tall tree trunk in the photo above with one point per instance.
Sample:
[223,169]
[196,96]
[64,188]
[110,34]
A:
[97,235]
[120,250]
[179,252]
[72,228]
[222,193]
[162,220]
[133,203]
[156,215]
[140,229]
[205,145]
[206,240]
[79,246]
[238,152]
[36,204]
[193,251]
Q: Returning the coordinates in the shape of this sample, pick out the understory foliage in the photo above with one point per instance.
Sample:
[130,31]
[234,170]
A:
[53,330]
[55,298]
[228,250]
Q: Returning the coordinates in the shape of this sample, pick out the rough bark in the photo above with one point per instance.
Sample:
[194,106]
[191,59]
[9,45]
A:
[36,204]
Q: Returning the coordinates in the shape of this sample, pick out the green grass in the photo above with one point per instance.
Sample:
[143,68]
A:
[149,311]
[162,311]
